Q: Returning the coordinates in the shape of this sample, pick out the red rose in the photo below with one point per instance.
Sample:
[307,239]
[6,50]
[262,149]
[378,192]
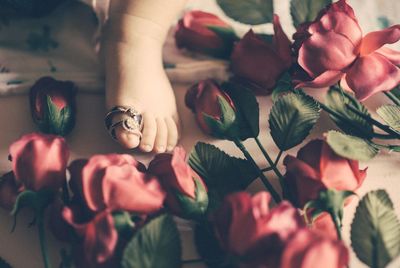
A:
[9,190]
[204,32]
[307,249]
[332,48]
[53,105]
[186,191]
[260,62]
[248,229]
[117,182]
[204,100]
[40,161]
[99,234]
[317,167]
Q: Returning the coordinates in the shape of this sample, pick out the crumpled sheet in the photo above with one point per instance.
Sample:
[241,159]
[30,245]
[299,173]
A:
[64,44]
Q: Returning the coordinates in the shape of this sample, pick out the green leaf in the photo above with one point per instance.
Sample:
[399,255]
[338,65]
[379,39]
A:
[156,245]
[306,10]
[375,230]
[249,12]
[4,264]
[223,174]
[291,119]
[340,101]
[283,86]
[351,147]
[247,110]
[391,114]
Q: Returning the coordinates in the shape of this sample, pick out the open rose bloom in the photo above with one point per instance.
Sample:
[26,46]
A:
[333,48]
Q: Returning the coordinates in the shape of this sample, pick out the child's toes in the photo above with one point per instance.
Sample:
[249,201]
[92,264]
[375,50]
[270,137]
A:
[172,133]
[161,137]
[149,133]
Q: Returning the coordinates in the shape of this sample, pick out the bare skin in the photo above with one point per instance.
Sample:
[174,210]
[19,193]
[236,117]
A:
[132,51]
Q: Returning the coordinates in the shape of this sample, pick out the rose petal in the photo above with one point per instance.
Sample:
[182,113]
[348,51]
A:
[317,54]
[371,74]
[374,40]
[390,54]
[325,79]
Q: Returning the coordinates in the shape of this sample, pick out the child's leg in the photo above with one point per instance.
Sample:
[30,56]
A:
[132,47]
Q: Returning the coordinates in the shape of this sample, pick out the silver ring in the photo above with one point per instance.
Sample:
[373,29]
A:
[133,124]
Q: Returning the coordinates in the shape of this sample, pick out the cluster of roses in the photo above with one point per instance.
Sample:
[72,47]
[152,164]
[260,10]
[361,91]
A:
[107,187]
[329,49]
[103,188]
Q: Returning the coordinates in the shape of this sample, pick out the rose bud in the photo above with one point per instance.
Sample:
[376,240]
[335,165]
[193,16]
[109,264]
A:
[39,161]
[316,168]
[251,232]
[213,108]
[186,192]
[53,105]
[205,33]
[9,190]
[117,182]
[259,62]
[307,249]
[332,48]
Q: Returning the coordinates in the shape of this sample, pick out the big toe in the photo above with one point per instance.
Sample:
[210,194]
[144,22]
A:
[126,139]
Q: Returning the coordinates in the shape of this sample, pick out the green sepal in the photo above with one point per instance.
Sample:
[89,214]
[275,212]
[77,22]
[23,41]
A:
[57,122]
[38,201]
[123,222]
[193,209]
[330,201]
[282,87]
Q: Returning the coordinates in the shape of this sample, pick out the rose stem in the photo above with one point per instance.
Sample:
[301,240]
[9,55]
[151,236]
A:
[278,157]
[392,97]
[337,226]
[387,129]
[271,163]
[42,239]
[264,179]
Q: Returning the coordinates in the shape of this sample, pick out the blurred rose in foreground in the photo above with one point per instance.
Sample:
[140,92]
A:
[40,161]
[332,48]
[186,192]
[206,33]
[317,167]
[250,231]
[260,62]
[117,182]
[53,105]
[213,108]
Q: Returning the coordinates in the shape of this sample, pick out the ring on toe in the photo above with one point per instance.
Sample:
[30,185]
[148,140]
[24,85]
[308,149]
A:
[132,122]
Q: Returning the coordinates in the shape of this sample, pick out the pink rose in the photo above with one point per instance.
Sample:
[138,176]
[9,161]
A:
[40,161]
[9,190]
[317,167]
[186,191]
[61,94]
[247,228]
[204,32]
[307,249]
[203,100]
[332,48]
[260,62]
[117,182]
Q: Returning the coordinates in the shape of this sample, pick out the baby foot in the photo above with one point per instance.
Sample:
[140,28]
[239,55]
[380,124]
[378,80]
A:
[135,78]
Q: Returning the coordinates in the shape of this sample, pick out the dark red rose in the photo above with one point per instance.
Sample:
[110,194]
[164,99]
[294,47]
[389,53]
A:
[53,105]
[260,62]
[204,99]
[206,33]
